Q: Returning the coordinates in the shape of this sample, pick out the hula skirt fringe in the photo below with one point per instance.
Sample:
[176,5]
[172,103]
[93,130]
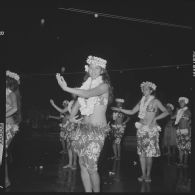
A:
[148,140]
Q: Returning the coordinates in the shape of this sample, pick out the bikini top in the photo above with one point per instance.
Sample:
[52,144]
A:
[151,108]
[102,100]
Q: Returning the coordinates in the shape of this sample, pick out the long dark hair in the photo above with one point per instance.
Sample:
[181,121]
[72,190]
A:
[13,85]
[106,79]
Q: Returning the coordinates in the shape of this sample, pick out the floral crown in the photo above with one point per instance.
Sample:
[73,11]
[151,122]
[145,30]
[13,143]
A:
[95,61]
[13,75]
[186,100]
[170,106]
[148,84]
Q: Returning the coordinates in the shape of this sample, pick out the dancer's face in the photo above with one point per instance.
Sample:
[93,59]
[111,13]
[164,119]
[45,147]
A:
[169,109]
[182,103]
[94,71]
[146,91]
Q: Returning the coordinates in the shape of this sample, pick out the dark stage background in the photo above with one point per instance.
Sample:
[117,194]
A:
[41,41]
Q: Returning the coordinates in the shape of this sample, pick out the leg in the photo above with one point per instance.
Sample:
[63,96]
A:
[85,177]
[69,156]
[95,181]
[63,145]
[7,181]
[114,149]
[181,157]
[143,167]
[118,149]
[74,159]
[185,159]
[148,167]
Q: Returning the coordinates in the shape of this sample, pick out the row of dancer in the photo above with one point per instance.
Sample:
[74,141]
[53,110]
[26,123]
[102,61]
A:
[89,134]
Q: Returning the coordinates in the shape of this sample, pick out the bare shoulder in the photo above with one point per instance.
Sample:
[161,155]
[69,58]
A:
[157,102]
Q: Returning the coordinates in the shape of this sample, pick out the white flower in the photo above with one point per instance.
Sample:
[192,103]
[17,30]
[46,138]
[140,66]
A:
[87,105]
[86,68]
[13,75]
[186,100]
[96,61]
[148,84]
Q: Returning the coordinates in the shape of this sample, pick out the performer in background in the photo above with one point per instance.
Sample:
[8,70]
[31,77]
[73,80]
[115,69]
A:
[118,128]
[147,127]
[169,135]
[1,141]
[63,117]
[13,114]
[183,131]
[93,98]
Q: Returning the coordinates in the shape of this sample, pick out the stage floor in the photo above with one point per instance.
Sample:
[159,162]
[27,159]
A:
[37,166]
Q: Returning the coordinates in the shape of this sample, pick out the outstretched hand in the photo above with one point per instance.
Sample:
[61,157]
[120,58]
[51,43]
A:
[51,101]
[61,81]
[115,109]
[75,120]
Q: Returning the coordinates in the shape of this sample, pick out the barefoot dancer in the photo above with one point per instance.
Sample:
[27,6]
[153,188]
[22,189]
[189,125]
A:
[147,128]
[94,96]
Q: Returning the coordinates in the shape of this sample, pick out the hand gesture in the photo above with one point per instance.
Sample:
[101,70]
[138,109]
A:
[75,120]
[62,83]
[51,101]
[115,109]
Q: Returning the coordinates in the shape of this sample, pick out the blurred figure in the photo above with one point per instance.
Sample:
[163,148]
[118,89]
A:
[169,137]
[13,114]
[118,129]
[183,132]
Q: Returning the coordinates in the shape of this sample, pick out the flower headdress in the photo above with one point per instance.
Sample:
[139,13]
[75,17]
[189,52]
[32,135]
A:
[119,100]
[170,106]
[148,84]
[95,61]
[186,100]
[13,75]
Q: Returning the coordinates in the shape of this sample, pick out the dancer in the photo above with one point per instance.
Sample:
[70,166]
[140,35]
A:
[169,137]
[68,127]
[147,128]
[94,96]
[183,132]
[1,141]
[118,129]
[63,117]
[13,113]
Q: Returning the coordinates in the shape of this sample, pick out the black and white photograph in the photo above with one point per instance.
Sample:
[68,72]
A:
[98,97]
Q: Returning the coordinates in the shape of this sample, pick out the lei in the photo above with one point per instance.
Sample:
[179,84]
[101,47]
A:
[180,114]
[143,106]
[87,105]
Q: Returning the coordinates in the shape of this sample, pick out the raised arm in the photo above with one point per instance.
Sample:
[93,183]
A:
[128,112]
[64,110]
[14,108]
[101,89]
[74,111]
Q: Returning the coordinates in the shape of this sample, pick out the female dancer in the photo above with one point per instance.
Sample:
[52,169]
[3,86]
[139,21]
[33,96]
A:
[183,132]
[118,129]
[147,128]
[169,137]
[94,96]
[13,113]
[64,117]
